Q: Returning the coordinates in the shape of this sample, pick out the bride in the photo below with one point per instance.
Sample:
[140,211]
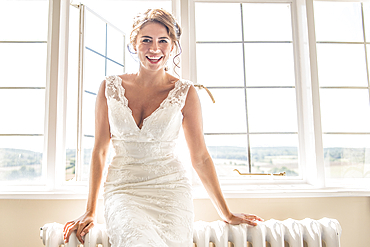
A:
[147,195]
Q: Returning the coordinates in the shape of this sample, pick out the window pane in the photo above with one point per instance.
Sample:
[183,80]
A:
[23,65]
[341,65]
[272,110]
[345,110]
[95,33]
[214,69]
[70,168]
[228,152]
[275,154]
[221,23]
[115,45]
[121,13]
[347,156]
[26,114]
[269,65]
[71,130]
[267,22]
[21,158]
[94,72]
[24,20]
[88,114]
[338,21]
[114,68]
[88,144]
[227,115]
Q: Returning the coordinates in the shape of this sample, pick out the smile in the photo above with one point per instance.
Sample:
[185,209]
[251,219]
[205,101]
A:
[154,59]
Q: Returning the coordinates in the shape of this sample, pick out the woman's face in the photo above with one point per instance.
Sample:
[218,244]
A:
[153,46]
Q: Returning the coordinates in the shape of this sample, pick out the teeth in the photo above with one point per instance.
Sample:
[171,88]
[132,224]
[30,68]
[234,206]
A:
[154,58]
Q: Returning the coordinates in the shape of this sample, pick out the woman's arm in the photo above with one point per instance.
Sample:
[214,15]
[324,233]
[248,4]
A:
[202,161]
[99,154]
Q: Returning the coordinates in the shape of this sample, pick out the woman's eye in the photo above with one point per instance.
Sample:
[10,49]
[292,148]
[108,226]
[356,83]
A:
[146,40]
[163,41]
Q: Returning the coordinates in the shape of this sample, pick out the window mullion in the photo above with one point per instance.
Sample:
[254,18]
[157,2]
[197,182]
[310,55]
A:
[79,151]
[192,44]
[302,87]
[316,173]
[62,95]
[51,96]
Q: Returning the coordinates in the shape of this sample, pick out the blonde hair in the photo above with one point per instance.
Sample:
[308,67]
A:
[158,16]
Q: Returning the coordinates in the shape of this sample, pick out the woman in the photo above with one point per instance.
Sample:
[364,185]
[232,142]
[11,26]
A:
[147,196]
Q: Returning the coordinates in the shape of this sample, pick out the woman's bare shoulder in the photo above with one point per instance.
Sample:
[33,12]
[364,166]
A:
[128,78]
[172,79]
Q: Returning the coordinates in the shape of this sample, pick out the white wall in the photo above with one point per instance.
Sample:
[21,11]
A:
[20,220]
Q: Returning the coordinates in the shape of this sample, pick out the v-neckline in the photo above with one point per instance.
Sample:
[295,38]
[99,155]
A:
[151,114]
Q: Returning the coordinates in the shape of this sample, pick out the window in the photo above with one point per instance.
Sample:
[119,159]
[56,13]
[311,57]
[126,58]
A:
[259,60]
[23,50]
[342,34]
[290,80]
[246,59]
[102,53]
[45,157]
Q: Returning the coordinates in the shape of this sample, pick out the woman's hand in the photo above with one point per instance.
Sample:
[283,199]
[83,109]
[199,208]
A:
[82,225]
[249,219]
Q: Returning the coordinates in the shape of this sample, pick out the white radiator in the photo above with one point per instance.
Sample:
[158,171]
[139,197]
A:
[272,233]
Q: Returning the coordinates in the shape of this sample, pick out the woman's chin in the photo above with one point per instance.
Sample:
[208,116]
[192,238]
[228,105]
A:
[153,67]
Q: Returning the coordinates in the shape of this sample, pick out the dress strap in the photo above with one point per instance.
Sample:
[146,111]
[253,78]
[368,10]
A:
[113,88]
[179,93]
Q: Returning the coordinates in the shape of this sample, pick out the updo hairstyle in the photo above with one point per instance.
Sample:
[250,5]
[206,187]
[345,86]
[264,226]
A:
[162,17]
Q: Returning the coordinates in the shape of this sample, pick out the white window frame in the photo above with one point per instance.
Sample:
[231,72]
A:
[309,122]
[308,143]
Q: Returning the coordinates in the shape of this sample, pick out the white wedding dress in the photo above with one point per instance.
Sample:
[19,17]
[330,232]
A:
[147,194]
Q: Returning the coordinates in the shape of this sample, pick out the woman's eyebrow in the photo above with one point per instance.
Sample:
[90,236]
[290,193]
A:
[148,37]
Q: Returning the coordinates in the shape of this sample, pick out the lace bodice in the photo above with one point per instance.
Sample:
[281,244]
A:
[162,126]
[155,126]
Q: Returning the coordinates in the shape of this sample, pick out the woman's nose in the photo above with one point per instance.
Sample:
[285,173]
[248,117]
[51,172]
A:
[154,48]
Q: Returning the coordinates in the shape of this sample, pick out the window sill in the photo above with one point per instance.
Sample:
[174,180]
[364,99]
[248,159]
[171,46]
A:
[250,191]
[283,191]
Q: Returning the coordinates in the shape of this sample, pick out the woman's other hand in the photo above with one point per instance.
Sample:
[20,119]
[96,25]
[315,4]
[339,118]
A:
[82,225]
[249,219]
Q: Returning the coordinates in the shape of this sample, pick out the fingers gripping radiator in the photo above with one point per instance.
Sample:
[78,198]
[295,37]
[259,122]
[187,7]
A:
[272,233]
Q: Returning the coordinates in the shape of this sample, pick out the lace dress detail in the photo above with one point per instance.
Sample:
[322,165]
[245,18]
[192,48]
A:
[147,194]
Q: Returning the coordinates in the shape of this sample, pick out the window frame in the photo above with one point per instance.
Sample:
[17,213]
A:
[39,184]
[308,116]
[81,133]
[348,182]
[311,153]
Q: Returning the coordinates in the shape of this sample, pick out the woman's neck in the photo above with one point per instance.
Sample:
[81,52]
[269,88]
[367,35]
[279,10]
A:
[151,78]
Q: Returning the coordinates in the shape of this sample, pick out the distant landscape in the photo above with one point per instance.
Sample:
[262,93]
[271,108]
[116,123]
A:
[263,160]
[18,164]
